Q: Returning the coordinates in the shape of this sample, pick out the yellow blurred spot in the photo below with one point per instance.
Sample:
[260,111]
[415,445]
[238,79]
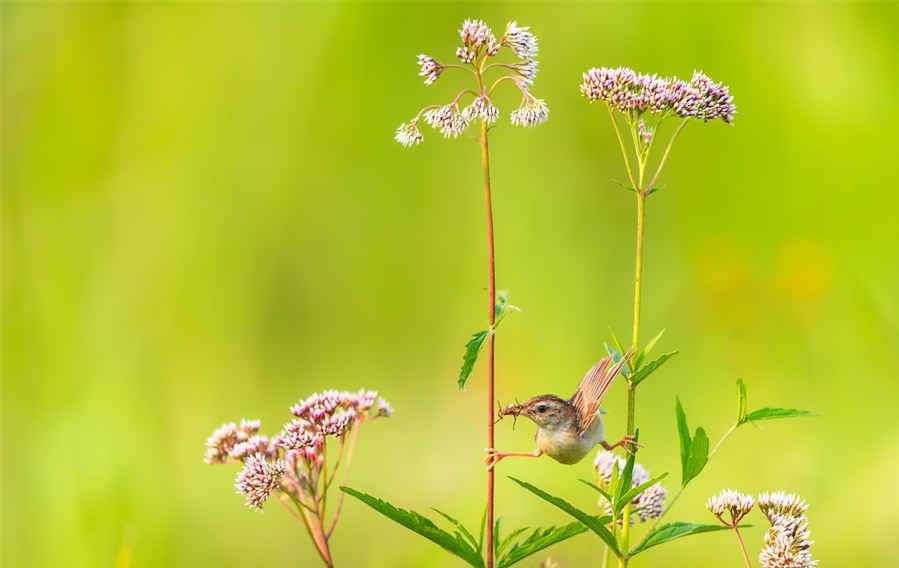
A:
[804,271]
[126,549]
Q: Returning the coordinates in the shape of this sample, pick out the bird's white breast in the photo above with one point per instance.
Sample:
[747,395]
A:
[566,446]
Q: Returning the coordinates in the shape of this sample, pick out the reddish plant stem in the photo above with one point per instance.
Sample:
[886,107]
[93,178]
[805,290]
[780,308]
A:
[491,264]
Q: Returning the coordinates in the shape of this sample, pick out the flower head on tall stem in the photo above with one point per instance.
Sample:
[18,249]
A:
[479,54]
[293,466]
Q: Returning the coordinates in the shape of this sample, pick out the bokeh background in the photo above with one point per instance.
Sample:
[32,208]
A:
[205,218]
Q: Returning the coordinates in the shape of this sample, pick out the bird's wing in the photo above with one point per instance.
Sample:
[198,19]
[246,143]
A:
[593,388]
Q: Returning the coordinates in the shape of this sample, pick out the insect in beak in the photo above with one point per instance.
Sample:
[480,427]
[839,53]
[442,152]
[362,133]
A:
[514,410]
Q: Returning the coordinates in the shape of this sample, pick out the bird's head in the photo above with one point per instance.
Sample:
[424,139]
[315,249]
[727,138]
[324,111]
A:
[547,411]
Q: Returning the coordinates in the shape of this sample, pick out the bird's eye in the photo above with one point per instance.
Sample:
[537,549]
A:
[541,408]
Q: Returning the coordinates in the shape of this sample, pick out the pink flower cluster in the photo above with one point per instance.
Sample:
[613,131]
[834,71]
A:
[627,91]
[478,44]
[649,504]
[294,460]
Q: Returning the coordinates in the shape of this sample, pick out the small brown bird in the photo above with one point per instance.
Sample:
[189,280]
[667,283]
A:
[568,429]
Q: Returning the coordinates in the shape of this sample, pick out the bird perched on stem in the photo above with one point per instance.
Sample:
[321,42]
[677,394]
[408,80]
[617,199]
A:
[568,429]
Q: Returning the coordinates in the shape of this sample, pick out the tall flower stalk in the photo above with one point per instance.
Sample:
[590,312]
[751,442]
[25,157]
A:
[478,55]
[639,104]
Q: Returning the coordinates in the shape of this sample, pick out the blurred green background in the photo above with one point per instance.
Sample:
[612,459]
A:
[205,218]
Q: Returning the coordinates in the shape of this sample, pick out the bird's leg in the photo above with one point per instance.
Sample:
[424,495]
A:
[628,442]
[494,456]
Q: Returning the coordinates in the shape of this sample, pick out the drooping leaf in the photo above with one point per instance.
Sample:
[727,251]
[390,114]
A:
[683,432]
[647,349]
[776,413]
[699,455]
[595,524]
[671,531]
[472,350]
[741,401]
[537,541]
[643,372]
[461,528]
[617,356]
[421,525]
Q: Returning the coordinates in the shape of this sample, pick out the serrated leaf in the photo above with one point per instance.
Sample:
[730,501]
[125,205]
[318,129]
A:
[537,541]
[595,524]
[683,432]
[671,531]
[462,530]
[636,491]
[616,356]
[502,544]
[421,525]
[647,349]
[598,489]
[741,401]
[699,455]
[472,350]
[650,367]
[776,414]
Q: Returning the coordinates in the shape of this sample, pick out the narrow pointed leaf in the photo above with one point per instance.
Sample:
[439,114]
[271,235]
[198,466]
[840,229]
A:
[616,343]
[595,524]
[421,525]
[539,540]
[741,401]
[462,530]
[483,531]
[651,367]
[777,413]
[671,531]
[636,491]
[600,490]
[627,476]
[472,350]
[683,432]
[647,349]
[502,545]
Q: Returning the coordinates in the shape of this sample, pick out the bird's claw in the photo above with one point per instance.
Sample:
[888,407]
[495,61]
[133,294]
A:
[492,458]
[628,443]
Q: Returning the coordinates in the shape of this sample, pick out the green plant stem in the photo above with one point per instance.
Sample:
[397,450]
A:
[742,546]
[491,267]
[655,176]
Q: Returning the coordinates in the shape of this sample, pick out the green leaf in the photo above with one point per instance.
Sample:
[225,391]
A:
[472,350]
[615,339]
[683,432]
[647,349]
[537,541]
[421,525]
[776,413]
[499,308]
[616,356]
[741,401]
[483,531]
[462,530]
[624,484]
[636,491]
[650,367]
[503,543]
[595,524]
[699,455]
[600,490]
[671,531]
